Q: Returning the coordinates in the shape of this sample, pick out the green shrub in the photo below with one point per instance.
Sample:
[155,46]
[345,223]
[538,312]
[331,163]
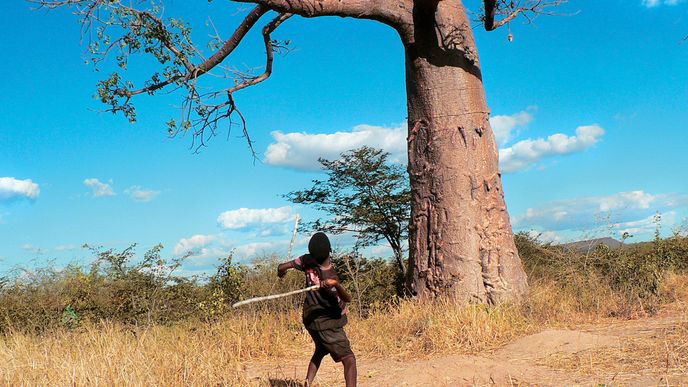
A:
[374,283]
[115,287]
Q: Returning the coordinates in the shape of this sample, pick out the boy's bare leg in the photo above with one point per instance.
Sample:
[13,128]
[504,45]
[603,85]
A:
[313,366]
[350,371]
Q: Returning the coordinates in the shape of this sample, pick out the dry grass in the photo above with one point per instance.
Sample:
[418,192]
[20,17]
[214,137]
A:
[674,291]
[647,349]
[213,353]
[205,354]
[109,355]
[661,351]
[413,330]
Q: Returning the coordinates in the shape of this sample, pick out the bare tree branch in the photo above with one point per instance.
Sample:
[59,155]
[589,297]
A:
[215,114]
[510,9]
[233,42]
[269,53]
[389,12]
[143,30]
[227,48]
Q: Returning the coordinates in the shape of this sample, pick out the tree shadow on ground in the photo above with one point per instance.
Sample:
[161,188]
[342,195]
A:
[285,383]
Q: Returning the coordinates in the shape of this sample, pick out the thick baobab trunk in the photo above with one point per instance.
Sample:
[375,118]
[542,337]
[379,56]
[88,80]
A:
[461,242]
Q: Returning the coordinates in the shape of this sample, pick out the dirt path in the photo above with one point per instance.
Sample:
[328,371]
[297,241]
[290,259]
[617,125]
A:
[525,361]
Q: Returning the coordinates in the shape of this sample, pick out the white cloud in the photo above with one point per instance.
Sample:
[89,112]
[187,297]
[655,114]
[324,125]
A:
[69,247]
[255,217]
[193,243]
[382,250]
[504,125]
[646,225]
[203,272]
[251,250]
[141,195]
[98,188]
[31,248]
[205,250]
[302,150]
[210,254]
[208,249]
[615,211]
[264,230]
[623,200]
[11,188]
[546,236]
[656,3]
[527,152]
[40,251]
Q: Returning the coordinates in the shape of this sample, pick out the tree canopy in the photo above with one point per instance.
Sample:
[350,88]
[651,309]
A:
[364,194]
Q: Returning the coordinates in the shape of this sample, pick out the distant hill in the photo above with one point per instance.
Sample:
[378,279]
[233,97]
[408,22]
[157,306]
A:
[589,245]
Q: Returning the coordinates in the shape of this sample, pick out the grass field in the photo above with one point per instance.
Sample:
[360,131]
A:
[136,329]
[214,353]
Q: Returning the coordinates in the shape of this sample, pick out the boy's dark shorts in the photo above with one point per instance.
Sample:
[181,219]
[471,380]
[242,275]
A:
[332,341]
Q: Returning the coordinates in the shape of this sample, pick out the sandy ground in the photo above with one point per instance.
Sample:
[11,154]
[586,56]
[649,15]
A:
[521,362]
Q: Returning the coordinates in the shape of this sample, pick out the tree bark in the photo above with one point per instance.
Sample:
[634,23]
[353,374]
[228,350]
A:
[399,257]
[461,241]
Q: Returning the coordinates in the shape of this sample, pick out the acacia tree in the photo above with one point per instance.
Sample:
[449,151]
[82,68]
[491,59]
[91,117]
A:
[364,194]
[460,237]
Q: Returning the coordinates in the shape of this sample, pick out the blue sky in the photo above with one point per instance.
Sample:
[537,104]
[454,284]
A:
[589,109]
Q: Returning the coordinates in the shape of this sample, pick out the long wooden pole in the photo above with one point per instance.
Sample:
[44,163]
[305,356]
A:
[272,297]
[293,236]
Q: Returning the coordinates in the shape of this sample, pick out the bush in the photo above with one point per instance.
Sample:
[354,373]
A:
[374,283]
[622,281]
[112,288]
[122,288]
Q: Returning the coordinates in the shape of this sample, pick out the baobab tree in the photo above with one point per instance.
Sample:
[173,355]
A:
[460,237]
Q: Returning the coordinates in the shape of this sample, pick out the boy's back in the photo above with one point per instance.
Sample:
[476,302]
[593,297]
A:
[322,309]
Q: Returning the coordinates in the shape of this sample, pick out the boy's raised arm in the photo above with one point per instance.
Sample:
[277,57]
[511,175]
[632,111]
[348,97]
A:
[283,267]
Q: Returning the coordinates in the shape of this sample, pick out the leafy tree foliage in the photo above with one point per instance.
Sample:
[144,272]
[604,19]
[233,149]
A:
[365,194]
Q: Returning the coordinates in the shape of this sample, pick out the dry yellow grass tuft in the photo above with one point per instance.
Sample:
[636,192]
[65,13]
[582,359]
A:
[417,329]
[675,291]
[111,355]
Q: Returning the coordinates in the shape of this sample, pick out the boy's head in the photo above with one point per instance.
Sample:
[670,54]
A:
[319,247]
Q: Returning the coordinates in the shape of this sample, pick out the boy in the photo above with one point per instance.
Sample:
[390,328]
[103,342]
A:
[324,310]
